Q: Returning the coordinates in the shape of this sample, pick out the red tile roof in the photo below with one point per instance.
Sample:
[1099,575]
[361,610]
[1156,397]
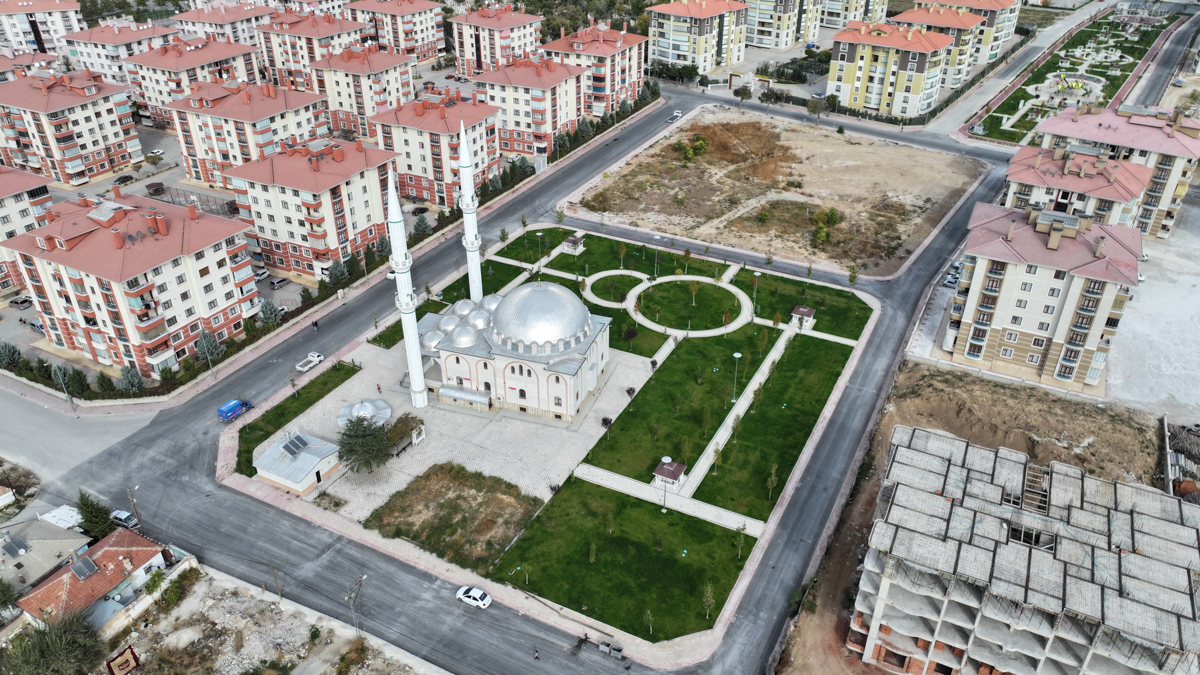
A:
[1141,131]
[496,18]
[394,7]
[990,5]
[224,14]
[940,16]
[431,114]
[1104,179]
[1117,261]
[527,73]
[116,556]
[27,6]
[244,102]
[315,167]
[48,94]
[25,59]
[596,40]
[119,34]
[13,181]
[698,8]
[373,58]
[889,35]
[670,470]
[309,25]
[182,54]
[86,232]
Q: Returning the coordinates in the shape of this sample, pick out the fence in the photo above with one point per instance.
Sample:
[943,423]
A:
[207,203]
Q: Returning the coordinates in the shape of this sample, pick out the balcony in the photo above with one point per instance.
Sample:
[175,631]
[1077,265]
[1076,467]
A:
[1093,291]
[136,287]
[1082,327]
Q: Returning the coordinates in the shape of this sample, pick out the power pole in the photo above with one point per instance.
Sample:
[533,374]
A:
[276,578]
[352,598]
[133,505]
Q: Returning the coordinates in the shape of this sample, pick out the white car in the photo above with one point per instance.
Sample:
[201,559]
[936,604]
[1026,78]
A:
[155,153]
[261,274]
[310,362]
[391,274]
[474,597]
[950,281]
[675,116]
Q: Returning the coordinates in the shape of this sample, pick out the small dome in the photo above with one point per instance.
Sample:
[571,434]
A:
[362,409]
[448,323]
[464,336]
[540,312]
[489,302]
[480,319]
[462,308]
[372,409]
[430,340]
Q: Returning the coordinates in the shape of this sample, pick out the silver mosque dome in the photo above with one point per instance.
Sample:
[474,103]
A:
[447,323]
[462,308]
[376,410]
[489,302]
[479,318]
[430,340]
[540,312]
[464,336]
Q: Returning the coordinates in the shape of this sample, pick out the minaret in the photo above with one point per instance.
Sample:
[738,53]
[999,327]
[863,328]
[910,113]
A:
[406,299]
[469,203]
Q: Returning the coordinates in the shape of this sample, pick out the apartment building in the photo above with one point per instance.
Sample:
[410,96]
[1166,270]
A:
[887,69]
[103,48]
[161,76]
[707,33]
[980,561]
[615,62]
[24,61]
[222,126]
[38,25]
[412,27]
[999,25]
[1041,294]
[493,36]
[361,81]
[537,99]
[1153,137]
[290,41]
[236,22]
[133,281]
[1077,184]
[313,203]
[965,30]
[839,13]
[426,133]
[71,127]
[24,199]
[773,25]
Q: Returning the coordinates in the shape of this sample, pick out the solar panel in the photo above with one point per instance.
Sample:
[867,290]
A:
[15,546]
[294,445]
[84,568]
[10,549]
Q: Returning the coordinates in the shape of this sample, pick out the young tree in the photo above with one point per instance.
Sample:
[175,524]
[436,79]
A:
[524,222]
[77,382]
[363,445]
[685,448]
[97,518]
[592,552]
[369,258]
[809,272]
[66,646]
[525,567]
[208,348]
[649,619]
[743,94]
[421,227]
[737,426]
[631,333]
[306,296]
[503,235]
[131,379]
[772,481]
[606,422]
[687,258]
[694,287]
[740,540]
[708,600]
[816,107]
[582,286]
[621,254]
[706,419]
[269,313]
[853,274]
[775,321]
[154,160]
[560,215]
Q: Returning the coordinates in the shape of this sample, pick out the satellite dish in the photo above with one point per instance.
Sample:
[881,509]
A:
[151,230]
[130,237]
[141,235]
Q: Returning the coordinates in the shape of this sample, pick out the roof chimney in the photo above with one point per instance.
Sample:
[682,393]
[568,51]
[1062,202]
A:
[160,222]
[337,153]
[358,144]
[1012,227]
[192,212]
[1099,247]
[1075,117]
[1037,163]
[313,161]
[117,238]
[116,189]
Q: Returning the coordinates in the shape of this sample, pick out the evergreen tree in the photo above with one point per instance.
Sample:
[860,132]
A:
[270,314]
[338,274]
[421,227]
[66,646]
[131,379]
[208,348]
[10,355]
[354,268]
[306,296]
[105,384]
[369,259]
[383,248]
[77,382]
[60,374]
[97,518]
[363,445]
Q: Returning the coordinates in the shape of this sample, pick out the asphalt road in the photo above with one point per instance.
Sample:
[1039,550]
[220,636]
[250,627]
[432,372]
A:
[171,462]
[1167,63]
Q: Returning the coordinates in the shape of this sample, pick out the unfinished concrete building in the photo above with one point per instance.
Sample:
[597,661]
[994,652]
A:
[982,563]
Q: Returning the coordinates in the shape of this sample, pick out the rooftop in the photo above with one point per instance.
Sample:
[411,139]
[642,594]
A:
[243,102]
[363,60]
[1155,129]
[293,456]
[226,13]
[1101,178]
[119,32]
[13,181]
[1105,252]
[439,113]
[497,18]
[315,167]
[987,5]
[46,93]
[698,8]
[11,60]
[528,73]
[182,54]
[27,6]
[595,40]
[308,24]
[39,547]
[940,16]
[889,35]
[85,236]
[394,7]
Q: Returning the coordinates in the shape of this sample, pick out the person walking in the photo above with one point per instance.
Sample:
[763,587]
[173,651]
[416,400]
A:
[536,656]
[379,389]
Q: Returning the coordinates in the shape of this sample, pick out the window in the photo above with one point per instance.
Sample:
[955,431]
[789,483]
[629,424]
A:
[1060,274]
[185,295]
[1031,269]
[1039,343]
[1006,353]
[1028,536]
[1065,372]
[1033,359]
[1055,292]
[1112,322]
[1016,320]
[208,288]
[1012,336]
[1043,325]
[521,394]
[558,401]
[181,278]
[1026,286]
[1022,304]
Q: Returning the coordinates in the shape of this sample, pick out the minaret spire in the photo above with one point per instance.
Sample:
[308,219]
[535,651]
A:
[406,299]
[469,204]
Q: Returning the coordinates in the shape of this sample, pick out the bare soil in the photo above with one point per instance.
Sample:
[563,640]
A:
[1109,442]
[889,196]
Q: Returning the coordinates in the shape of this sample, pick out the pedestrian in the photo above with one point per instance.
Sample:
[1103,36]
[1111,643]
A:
[536,656]
[379,389]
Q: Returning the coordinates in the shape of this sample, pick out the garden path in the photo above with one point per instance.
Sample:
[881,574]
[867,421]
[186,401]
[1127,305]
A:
[745,316]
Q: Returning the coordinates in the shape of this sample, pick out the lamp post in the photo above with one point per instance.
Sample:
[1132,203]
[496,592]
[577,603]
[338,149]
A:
[736,360]
[539,236]
[352,598]
[755,302]
[665,460]
[656,240]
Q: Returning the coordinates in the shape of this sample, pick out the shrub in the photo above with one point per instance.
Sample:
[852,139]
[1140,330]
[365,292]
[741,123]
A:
[131,379]
[10,355]
[105,384]
[68,646]
[178,589]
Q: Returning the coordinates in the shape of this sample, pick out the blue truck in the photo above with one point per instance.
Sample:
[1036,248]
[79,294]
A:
[232,410]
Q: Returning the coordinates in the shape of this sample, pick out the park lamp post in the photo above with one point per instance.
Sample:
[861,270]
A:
[665,460]
[539,236]
[656,240]
[737,356]
[755,301]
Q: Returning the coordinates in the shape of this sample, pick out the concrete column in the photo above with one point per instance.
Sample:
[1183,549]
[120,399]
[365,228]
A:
[406,299]
[469,203]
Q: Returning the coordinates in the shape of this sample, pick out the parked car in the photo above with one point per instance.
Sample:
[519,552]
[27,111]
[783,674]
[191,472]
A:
[23,302]
[956,268]
[419,210]
[391,274]
[450,76]
[123,180]
[310,362]
[155,153]
[675,116]
[279,281]
[261,274]
[124,519]
[950,281]
[474,597]
[232,410]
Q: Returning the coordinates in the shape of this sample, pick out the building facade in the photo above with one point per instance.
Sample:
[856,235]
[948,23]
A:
[71,127]
[103,49]
[537,99]
[426,134]
[312,204]
[1154,137]
[162,76]
[38,25]
[133,281]
[615,63]
[1041,295]
[998,27]
[412,27]
[27,62]
[291,41]
[887,69]
[236,23]
[1077,184]
[839,13]
[493,36]
[223,126]
[362,81]
[709,35]
[965,30]
[24,199]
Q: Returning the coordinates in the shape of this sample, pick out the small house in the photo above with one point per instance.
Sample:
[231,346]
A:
[803,317]
[31,551]
[297,462]
[573,245]
[668,475]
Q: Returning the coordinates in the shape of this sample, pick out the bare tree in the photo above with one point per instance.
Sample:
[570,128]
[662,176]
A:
[772,481]
[708,600]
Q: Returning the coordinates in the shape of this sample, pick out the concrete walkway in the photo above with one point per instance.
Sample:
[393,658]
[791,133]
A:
[591,281]
[812,333]
[745,316]
[682,504]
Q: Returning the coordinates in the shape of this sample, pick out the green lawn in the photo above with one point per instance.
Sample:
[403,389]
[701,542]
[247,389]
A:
[669,411]
[792,400]
[672,305]
[651,561]
[646,343]
[601,253]
[388,337]
[525,247]
[253,434]
[839,312]
[612,288]
[496,275]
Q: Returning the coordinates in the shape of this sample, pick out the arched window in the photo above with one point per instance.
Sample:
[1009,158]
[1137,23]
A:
[513,370]
[456,360]
[459,381]
[487,386]
[556,380]
[558,401]
[485,366]
[521,394]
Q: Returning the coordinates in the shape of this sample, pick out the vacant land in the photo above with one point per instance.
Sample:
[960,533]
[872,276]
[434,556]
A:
[602,253]
[496,275]
[887,196]
[838,312]
[525,247]
[1034,16]
[463,516]
[622,561]
[673,305]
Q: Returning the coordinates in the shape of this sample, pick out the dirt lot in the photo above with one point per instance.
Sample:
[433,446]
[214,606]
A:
[1108,442]
[1176,97]
[887,196]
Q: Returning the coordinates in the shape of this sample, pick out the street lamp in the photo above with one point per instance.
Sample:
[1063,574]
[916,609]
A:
[352,598]
[665,461]
[656,240]
[539,236]
[756,279]
[736,360]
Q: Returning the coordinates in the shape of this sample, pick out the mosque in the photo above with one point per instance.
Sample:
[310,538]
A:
[537,350]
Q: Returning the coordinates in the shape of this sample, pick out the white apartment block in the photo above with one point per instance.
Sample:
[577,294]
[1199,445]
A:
[24,200]
[1154,137]
[236,22]
[71,127]
[319,6]
[313,204]
[615,61]
[38,25]
[493,36]
[426,134]
[224,126]
[771,24]
[101,49]
[981,562]
[161,76]
[839,13]
[708,33]
[1077,184]
[412,27]
[134,281]
[362,81]
[290,41]
[537,99]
